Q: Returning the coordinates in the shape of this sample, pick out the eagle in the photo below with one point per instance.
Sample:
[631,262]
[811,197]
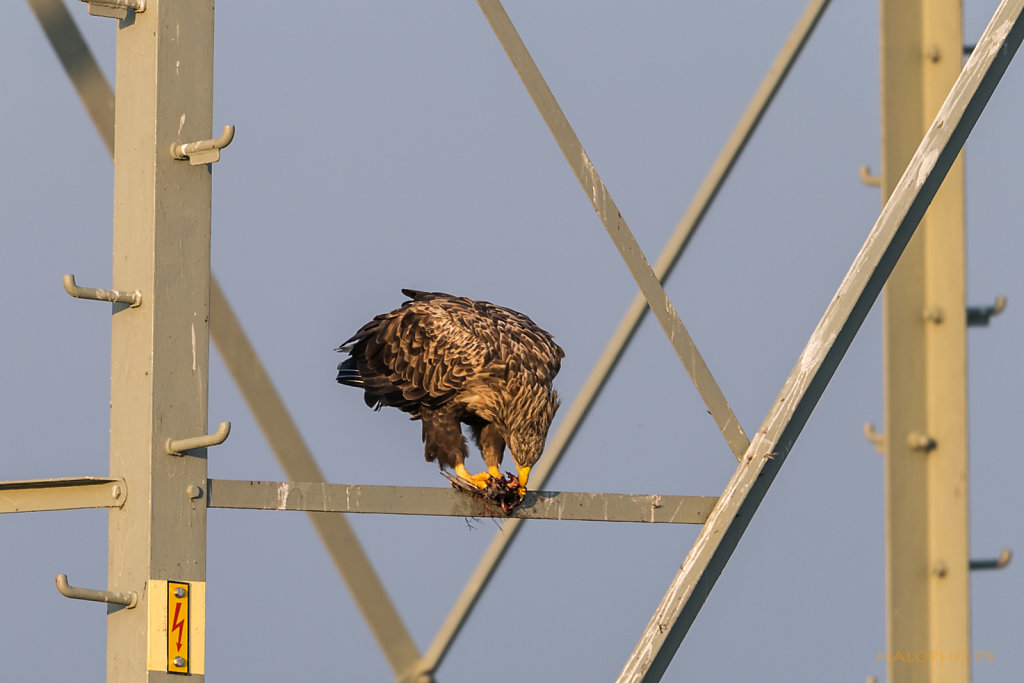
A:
[448,361]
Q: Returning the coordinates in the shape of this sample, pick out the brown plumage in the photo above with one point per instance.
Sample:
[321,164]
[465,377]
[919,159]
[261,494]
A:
[449,360]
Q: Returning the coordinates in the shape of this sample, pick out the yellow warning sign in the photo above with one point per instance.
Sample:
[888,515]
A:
[162,642]
[177,627]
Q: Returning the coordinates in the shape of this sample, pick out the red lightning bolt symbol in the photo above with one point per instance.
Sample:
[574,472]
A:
[179,624]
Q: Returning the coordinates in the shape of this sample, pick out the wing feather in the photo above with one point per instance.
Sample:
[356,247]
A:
[419,353]
[436,345]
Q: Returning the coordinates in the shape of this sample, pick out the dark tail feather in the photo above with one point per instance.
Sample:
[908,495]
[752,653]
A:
[417,295]
[348,373]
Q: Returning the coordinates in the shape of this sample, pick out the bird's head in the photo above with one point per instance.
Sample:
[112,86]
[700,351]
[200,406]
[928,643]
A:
[526,446]
[529,422]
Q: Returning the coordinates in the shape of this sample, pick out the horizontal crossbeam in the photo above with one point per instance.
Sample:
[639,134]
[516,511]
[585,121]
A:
[446,502]
[65,493]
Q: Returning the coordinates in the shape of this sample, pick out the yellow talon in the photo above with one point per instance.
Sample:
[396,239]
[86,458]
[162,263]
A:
[477,480]
[524,475]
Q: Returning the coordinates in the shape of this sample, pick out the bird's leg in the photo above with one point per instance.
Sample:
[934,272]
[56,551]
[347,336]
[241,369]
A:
[443,441]
[524,475]
[492,448]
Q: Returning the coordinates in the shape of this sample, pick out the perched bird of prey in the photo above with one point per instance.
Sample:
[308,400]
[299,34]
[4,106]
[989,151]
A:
[449,360]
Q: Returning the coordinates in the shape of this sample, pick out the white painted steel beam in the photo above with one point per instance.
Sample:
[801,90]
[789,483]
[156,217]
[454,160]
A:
[827,346]
[63,493]
[924,342]
[616,226]
[248,372]
[448,502]
[595,382]
[159,371]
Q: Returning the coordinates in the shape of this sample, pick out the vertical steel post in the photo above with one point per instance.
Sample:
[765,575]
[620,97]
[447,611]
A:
[873,265]
[246,369]
[925,442]
[160,350]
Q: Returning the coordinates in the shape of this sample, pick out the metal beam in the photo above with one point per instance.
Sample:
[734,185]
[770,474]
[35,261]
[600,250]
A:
[78,62]
[447,502]
[616,225]
[246,369]
[827,345]
[63,493]
[680,238]
[925,360]
[160,349]
[595,382]
[735,144]
[298,464]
